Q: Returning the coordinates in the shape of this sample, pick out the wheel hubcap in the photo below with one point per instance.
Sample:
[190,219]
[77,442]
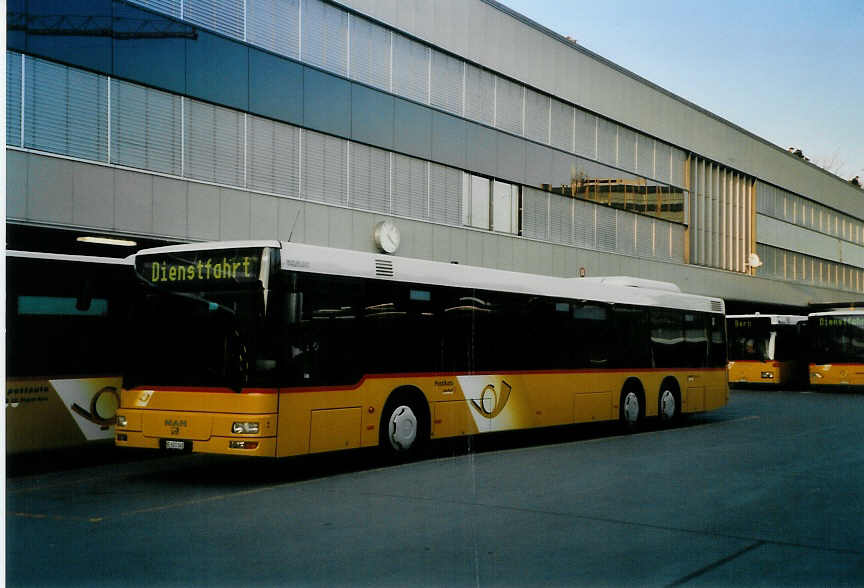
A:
[667,405]
[403,428]
[631,407]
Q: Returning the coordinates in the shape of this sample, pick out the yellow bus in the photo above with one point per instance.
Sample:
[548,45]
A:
[766,349]
[281,349]
[63,319]
[836,349]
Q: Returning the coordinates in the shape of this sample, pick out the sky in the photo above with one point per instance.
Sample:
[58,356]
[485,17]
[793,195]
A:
[791,72]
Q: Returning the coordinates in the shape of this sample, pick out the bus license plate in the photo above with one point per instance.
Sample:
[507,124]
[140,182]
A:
[176,445]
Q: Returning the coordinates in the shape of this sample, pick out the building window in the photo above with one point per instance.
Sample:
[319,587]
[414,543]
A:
[490,204]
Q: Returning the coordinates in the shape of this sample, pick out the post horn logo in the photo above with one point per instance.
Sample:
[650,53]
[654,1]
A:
[103,408]
[492,402]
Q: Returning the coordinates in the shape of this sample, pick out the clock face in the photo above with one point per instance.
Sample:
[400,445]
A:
[387,236]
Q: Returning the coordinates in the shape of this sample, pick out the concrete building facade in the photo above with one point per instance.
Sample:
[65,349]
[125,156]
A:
[486,138]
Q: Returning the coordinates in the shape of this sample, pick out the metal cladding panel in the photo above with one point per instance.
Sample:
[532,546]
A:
[410,187]
[644,236]
[170,207]
[324,163]
[445,194]
[65,110]
[583,224]
[561,219]
[324,31]
[264,217]
[214,140]
[224,16]
[370,53]
[134,202]
[508,105]
[627,149]
[93,194]
[372,116]
[274,25]
[410,69]
[273,162]
[146,128]
[171,7]
[412,129]
[561,130]
[16,184]
[535,214]
[49,190]
[13,98]
[537,114]
[607,141]
[607,228]
[586,134]
[626,242]
[203,213]
[479,94]
[369,182]
[446,82]
[235,210]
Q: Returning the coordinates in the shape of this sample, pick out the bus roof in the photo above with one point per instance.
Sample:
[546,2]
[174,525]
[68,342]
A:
[776,319]
[858,312]
[68,257]
[347,262]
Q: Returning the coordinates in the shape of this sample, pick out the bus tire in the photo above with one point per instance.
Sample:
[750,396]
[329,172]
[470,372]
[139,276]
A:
[405,423]
[631,408]
[669,403]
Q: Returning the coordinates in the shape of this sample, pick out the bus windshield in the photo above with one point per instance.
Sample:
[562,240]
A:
[837,339]
[750,339]
[199,320]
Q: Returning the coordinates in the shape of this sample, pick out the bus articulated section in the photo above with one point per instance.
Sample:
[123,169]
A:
[288,349]
[836,350]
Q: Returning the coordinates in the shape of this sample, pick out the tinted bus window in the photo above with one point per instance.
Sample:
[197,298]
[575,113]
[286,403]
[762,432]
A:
[667,337]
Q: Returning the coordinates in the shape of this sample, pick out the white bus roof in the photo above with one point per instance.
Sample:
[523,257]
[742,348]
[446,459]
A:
[346,262]
[776,319]
[68,257]
[854,312]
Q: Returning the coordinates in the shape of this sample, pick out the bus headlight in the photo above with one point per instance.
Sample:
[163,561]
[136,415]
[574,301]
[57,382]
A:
[245,428]
[816,376]
[121,420]
[768,375]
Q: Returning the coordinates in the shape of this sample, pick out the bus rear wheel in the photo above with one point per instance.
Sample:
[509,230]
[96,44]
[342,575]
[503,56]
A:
[631,409]
[404,426]
[669,407]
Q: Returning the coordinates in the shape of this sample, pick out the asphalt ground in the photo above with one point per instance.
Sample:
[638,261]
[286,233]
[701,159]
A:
[768,491]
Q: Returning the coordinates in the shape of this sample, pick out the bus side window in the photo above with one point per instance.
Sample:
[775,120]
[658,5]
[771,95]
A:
[717,346]
[667,337]
[631,326]
[695,339]
[596,338]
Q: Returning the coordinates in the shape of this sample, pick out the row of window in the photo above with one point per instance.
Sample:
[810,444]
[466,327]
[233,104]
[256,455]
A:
[548,217]
[328,37]
[778,203]
[797,267]
[410,328]
[81,114]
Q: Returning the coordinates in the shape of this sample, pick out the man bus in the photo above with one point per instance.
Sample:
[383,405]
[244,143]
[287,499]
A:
[836,349]
[766,349]
[280,349]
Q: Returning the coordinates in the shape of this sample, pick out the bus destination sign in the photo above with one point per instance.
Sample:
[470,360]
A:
[194,269]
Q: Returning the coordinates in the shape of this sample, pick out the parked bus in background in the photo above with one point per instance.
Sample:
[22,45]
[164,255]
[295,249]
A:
[836,353]
[766,349]
[280,349]
[63,317]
